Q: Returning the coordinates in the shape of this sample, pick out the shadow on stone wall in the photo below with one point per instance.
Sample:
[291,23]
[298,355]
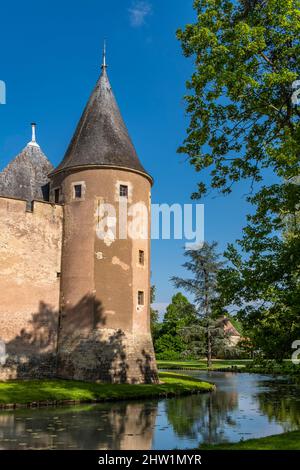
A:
[148,372]
[84,348]
[86,315]
[87,350]
[39,337]
[32,352]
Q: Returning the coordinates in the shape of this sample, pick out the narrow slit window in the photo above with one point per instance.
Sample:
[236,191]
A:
[141,297]
[77,191]
[141,257]
[56,195]
[123,190]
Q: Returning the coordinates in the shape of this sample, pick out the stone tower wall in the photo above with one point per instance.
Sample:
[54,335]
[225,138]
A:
[30,267]
[104,335]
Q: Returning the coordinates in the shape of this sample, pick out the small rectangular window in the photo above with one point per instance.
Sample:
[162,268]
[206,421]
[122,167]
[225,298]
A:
[56,196]
[140,297]
[123,190]
[141,257]
[77,191]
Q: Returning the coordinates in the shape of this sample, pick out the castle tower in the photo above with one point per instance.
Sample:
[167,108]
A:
[104,331]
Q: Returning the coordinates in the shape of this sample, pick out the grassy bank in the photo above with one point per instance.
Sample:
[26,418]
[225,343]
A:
[43,392]
[202,364]
[270,366]
[286,441]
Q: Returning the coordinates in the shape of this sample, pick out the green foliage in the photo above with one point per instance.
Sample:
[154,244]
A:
[268,366]
[179,314]
[204,264]
[169,343]
[169,346]
[247,55]
[205,336]
[285,441]
[265,285]
[154,316]
[168,355]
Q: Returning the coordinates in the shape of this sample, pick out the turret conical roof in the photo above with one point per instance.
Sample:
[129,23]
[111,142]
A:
[101,138]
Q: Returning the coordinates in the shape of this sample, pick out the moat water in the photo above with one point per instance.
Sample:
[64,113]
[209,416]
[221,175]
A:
[242,407]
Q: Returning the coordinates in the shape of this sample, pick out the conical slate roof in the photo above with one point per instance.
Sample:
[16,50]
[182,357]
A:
[101,137]
[26,177]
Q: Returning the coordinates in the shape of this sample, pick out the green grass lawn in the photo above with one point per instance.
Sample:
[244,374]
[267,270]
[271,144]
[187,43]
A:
[202,364]
[29,391]
[268,366]
[286,441]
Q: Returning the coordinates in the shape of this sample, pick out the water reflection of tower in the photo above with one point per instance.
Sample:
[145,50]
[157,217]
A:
[115,426]
[139,427]
[132,428]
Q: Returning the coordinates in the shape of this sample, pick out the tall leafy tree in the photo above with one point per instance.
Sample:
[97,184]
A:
[179,314]
[242,117]
[204,265]
[265,285]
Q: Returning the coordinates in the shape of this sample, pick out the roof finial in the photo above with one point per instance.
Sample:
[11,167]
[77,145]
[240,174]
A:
[103,66]
[33,142]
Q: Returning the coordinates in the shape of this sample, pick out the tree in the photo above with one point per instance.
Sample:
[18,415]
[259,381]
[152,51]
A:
[264,287]
[180,313]
[204,265]
[243,122]
[247,56]
[155,325]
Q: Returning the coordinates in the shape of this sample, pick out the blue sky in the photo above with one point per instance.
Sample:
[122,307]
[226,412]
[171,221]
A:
[50,60]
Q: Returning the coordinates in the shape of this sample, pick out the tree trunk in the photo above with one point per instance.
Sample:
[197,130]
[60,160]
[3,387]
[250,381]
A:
[207,317]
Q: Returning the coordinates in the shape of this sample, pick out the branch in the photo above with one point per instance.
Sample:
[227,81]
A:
[263,55]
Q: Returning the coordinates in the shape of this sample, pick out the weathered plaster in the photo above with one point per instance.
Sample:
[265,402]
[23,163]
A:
[99,286]
[30,258]
[116,260]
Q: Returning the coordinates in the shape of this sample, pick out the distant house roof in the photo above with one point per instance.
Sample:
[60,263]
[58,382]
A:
[228,327]
[101,137]
[26,177]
